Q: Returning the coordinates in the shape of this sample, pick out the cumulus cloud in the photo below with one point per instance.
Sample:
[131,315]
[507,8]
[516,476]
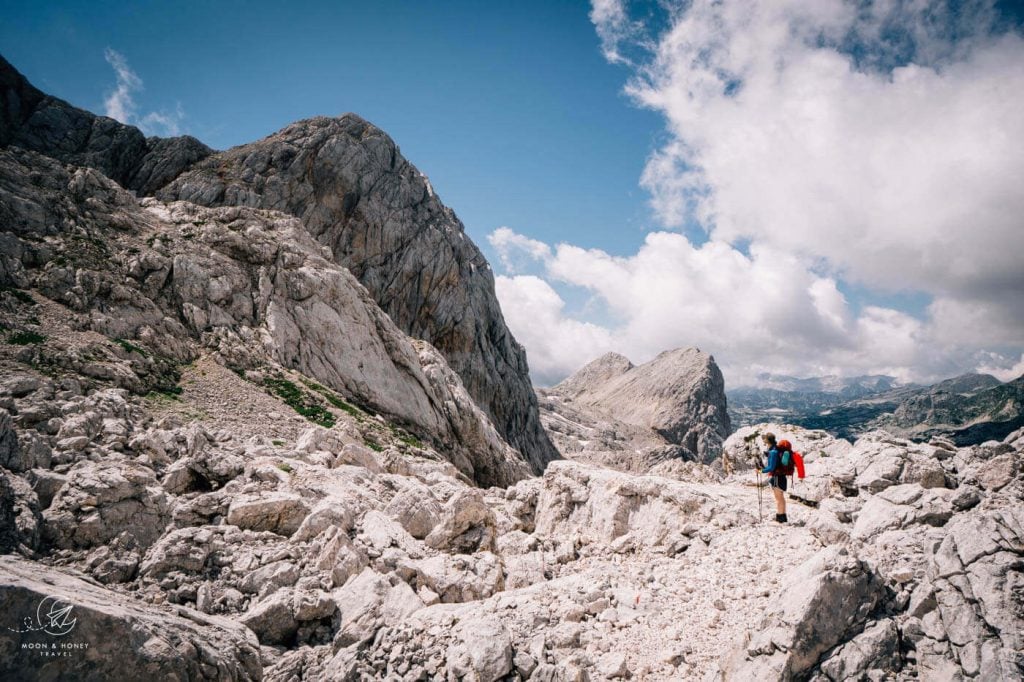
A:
[535,311]
[765,311]
[1002,368]
[120,103]
[873,144]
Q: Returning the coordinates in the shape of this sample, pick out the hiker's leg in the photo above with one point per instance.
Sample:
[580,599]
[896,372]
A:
[780,501]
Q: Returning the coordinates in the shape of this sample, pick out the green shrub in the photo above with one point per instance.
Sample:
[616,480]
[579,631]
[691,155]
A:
[334,399]
[294,397]
[131,347]
[20,295]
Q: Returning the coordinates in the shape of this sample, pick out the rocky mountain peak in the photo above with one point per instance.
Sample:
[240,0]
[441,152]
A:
[594,374]
[33,120]
[679,395]
[348,183]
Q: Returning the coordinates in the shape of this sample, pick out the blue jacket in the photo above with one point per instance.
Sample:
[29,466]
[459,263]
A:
[773,461]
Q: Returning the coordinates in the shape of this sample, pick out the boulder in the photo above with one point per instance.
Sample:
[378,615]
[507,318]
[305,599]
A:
[483,650]
[274,511]
[92,633]
[416,509]
[272,618]
[103,500]
[829,599]
[467,524]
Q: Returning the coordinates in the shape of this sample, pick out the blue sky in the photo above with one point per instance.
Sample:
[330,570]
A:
[802,188]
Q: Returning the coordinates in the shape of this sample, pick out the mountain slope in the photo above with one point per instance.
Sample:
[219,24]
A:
[348,183]
[677,399]
[171,281]
[352,191]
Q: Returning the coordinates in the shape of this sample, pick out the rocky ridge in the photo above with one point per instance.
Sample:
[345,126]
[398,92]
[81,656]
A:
[635,417]
[969,409]
[33,120]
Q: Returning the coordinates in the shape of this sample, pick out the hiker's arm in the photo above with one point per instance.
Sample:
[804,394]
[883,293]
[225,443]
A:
[773,461]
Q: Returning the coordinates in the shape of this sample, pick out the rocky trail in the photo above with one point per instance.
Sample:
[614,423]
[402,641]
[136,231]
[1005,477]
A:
[351,553]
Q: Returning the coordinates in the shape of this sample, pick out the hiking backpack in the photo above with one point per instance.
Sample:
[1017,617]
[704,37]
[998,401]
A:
[789,460]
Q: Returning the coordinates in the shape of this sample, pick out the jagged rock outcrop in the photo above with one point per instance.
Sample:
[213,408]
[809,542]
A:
[34,120]
[671,407]
[349,185]
[827,599]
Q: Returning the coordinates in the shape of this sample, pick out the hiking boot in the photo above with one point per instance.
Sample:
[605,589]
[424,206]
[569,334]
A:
[781,518]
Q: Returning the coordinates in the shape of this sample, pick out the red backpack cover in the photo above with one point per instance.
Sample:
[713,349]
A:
[795,461]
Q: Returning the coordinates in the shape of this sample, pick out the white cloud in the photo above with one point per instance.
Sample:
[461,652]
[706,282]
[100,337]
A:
[1001,368]
[535,312]
[766,311]
[902,178]
[120,103]
[897,170]
[512,247]
[614,28]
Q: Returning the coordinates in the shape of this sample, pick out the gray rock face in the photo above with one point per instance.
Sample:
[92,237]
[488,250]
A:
[118,638]
[349,185]
[10,451]
[679,395]
[33,120]
[19,514]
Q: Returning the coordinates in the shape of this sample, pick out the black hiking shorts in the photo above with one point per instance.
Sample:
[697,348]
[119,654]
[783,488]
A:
[778,481]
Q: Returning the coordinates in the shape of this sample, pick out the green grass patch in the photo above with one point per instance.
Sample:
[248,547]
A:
[18,294]
[277,442]
[373,445]
[294,397]
[132,348]
[406,437]
[335,399]
[25,338]
[411,440]
[286,467]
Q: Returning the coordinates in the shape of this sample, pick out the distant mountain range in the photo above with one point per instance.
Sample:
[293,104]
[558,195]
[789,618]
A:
[969,409]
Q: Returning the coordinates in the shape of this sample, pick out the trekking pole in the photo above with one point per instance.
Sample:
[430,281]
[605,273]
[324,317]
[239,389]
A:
[760,516]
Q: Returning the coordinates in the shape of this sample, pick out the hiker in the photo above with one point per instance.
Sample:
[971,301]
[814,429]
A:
[776,476]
